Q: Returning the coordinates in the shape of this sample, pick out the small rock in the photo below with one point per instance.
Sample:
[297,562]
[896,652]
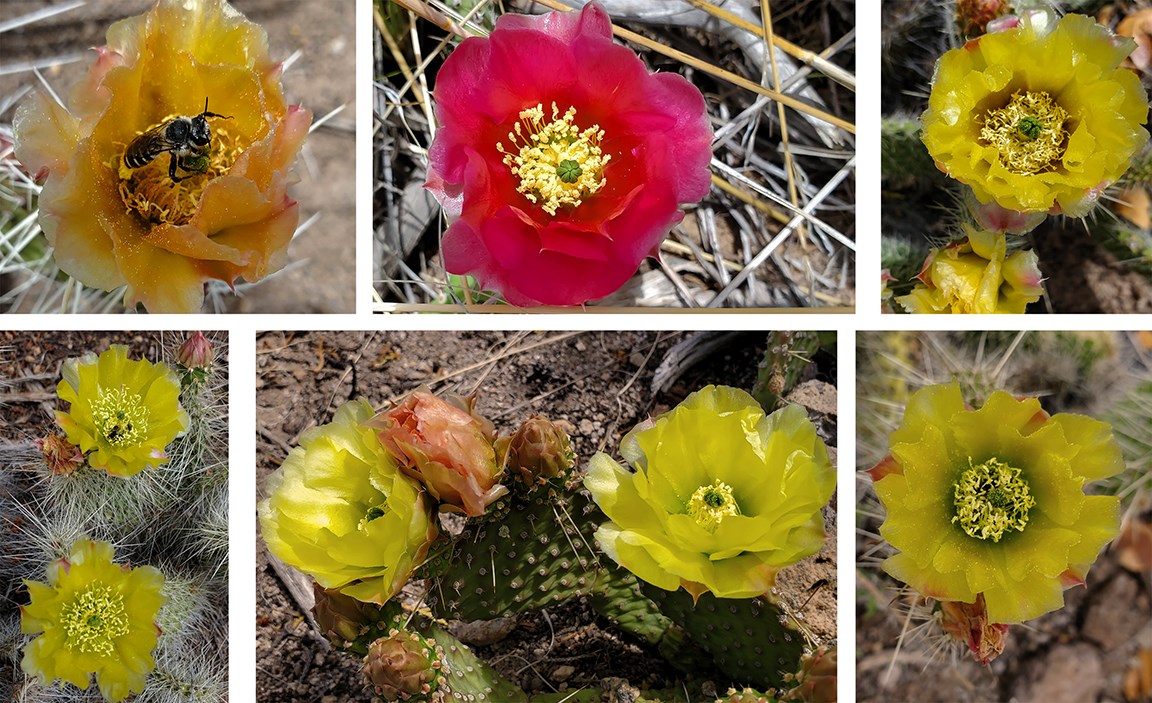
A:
[815,395]
[619,690]
[483,632]
[562,673]
[1068,674]
[1110,618]
[586,426]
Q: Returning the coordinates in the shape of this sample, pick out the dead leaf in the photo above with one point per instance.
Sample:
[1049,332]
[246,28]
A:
[1138,679]
[1138,25]
[1134,544]
[1134,205]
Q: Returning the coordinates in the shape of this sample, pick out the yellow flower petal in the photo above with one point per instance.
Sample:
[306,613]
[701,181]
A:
[123,413]
[1075,64]
[723,496]
[96,617]
[1020,563]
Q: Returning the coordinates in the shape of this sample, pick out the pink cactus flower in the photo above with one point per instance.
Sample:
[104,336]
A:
[560,159]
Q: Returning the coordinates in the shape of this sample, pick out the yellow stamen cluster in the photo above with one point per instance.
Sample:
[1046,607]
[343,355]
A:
[93,619]
[1028,132]
[151,194]
[558,164]
[710,504]
[120,416]
[991,499]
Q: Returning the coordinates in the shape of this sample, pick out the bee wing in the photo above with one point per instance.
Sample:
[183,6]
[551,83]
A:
[147,146]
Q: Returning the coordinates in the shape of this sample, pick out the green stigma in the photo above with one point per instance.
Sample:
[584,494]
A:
[569,171]
[1029,126]
[1028,133]
[710,504]
[376,511]
[121,417]
[991,499]
[373,513]
[93,620]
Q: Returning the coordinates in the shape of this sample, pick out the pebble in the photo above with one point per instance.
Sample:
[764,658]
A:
[1068,674]
[562,673]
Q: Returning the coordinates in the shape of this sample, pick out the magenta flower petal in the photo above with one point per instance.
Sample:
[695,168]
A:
[561,161]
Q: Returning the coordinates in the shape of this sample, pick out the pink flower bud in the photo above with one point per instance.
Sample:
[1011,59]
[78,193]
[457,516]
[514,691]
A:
[448,447]
[538,452]
[195,352]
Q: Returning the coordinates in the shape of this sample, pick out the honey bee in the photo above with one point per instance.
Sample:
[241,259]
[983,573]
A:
[185,138]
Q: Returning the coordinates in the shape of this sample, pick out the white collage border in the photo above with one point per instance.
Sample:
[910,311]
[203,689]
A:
[243,328]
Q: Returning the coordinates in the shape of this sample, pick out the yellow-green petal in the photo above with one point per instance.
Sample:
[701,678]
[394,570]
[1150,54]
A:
[340,510]
[1021,571]
[723,496]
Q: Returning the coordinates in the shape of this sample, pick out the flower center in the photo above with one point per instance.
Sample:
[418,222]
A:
[1028,132]
[374,512]
[93,619]
[558,164]
[710,504]
[154,196]
[991,499]
[120,416]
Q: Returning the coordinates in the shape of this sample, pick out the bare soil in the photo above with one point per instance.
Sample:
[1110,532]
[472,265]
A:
[597,384]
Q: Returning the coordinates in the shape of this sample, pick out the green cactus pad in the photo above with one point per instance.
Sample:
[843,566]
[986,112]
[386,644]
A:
[469,680]
[788,354]
[751,640]
[527,554]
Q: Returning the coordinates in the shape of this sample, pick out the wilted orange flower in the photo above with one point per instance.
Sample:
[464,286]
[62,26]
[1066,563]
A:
[60,455]
[225,215]
[968,623]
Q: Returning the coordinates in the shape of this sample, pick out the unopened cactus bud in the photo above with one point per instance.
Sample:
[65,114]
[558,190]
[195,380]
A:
[405,667]
[538,452]
[816,680]
[447,446]
[195,352]
[968,623]
[195,357]
[61,456]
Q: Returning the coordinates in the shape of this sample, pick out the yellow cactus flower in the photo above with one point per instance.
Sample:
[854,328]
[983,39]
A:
[990,502]
[976,275]
[722,498]
[340,510]
[170,163]
[1040,117]
[123,413]
[97,617]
